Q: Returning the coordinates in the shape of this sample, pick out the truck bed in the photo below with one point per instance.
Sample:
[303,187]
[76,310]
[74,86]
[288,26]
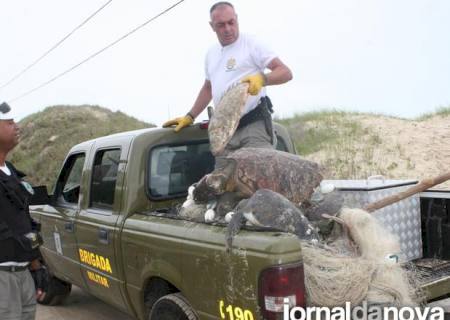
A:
[434,276]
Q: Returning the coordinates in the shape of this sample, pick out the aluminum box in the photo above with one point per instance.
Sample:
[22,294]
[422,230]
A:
[401,218]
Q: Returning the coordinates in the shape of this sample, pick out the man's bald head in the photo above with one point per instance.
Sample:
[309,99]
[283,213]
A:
[218,5]
[224,22]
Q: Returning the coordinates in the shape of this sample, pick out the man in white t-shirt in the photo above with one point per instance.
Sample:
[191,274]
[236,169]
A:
[238,58]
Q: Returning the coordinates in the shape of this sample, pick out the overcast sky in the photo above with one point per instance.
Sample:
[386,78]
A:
[384,56]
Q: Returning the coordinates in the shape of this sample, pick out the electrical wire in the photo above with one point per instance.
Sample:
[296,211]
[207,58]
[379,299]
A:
[96,53]
[54,46]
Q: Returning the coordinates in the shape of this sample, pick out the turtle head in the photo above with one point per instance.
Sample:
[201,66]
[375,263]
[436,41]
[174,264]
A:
[215,183]
[210,186]
[202,192]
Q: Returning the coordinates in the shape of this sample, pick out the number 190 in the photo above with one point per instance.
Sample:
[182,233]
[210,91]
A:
[234,313]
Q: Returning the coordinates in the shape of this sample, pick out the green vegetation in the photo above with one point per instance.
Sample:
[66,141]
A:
[334,137]
[441,111]
[47,136]
[312,131]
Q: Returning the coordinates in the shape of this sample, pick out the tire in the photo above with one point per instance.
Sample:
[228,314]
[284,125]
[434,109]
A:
[172,307]
[56,293]
[157,288]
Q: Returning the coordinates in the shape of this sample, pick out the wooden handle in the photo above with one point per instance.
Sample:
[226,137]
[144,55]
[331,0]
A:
[421,186]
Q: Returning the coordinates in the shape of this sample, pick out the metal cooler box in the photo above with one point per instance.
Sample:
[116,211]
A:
[401,218]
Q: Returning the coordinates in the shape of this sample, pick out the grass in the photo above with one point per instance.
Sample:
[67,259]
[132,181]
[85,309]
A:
[312,131]
[353,156]
[41,157]
[338,140]
[441,111]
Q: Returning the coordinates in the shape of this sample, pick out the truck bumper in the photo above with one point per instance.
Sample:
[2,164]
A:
[439,288]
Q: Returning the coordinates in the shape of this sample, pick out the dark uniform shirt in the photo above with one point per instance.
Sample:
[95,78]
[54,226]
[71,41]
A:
[15,220]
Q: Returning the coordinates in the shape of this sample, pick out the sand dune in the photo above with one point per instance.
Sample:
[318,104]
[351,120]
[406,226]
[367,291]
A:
[401,149]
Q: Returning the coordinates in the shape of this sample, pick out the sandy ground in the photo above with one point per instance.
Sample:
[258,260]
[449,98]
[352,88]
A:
[80,306]
[405,149]
[426,144]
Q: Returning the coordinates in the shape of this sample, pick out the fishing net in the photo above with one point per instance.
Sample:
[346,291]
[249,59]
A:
[361,264]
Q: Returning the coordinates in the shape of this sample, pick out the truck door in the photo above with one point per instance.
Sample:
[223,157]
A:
[58,228]
[97,235]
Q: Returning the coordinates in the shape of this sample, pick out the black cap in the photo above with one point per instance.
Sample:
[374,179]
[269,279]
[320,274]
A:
[5,112]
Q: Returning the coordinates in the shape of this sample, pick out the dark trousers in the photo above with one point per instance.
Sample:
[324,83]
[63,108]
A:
[253,135]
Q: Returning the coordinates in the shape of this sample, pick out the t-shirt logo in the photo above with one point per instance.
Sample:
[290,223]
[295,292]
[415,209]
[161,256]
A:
[231,64]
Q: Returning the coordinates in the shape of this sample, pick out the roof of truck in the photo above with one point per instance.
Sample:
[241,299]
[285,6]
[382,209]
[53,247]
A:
[132,134]
[129,134]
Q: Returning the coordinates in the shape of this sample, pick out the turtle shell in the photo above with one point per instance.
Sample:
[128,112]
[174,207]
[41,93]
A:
[290,175]
[226,117]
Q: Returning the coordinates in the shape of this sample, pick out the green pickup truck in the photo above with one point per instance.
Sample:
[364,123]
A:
[110,228]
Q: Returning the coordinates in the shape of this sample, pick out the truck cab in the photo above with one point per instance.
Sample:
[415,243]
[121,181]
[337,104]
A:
[111,229]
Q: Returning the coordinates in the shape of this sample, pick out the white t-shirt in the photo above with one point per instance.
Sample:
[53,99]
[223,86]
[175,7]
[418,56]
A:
[225,66]
[6,170]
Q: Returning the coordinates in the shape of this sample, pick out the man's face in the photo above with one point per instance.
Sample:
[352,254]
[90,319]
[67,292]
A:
[9,135]
[225,24]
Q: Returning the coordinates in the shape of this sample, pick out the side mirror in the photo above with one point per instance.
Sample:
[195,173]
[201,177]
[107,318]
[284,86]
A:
[40,196]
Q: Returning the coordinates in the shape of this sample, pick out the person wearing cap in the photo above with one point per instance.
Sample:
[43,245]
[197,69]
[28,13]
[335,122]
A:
[238,58]
[19,237]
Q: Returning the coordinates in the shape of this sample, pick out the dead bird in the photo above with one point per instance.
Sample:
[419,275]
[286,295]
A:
[330,203]
[193,211]
[322,203]
[270,209]
[227,202]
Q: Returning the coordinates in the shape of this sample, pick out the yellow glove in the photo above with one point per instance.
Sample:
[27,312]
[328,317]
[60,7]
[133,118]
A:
[180,122]
[256,82]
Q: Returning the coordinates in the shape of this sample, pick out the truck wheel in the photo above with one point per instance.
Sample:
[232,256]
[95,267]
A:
[172,307]
[56,293]
[156,289]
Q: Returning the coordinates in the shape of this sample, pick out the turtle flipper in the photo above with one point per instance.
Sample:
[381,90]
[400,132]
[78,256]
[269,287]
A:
[234,226]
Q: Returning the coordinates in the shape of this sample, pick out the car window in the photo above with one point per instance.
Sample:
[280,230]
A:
[69,182]
[104,177]
[172,169]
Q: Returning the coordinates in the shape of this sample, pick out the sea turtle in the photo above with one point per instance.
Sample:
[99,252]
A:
[329,203]
[249,169]
[226,116]
[270,209]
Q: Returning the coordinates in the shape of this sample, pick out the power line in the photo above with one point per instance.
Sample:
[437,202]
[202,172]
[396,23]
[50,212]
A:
[55,46]
[97,53]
